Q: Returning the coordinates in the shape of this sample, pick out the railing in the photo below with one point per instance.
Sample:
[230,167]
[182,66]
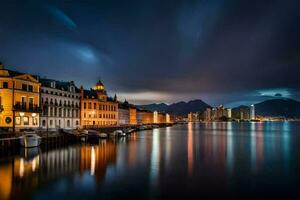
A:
[19,106]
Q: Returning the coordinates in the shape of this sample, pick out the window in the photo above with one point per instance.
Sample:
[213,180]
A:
[30,100]
[30,103]
[34,121]
[44,123]
[18,120]
[84,105]
[23,100]
[24,87]
[30,88]
[51,122]
[25,120]
[68,123]
[90,105]
[95,106]
[5,84]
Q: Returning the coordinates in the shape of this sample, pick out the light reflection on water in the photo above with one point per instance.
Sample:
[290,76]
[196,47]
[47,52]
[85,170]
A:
[233,160]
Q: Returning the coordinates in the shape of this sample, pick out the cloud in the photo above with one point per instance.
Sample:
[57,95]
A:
[61,17]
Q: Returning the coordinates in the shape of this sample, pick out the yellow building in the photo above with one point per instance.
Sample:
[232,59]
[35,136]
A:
[145,117]
[19,100]
[132,115]
[96,108]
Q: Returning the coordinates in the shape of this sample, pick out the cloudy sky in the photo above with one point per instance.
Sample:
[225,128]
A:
[222,51]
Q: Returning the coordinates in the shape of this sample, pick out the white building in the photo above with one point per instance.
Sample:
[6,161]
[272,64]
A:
[252,112]
[123,114]
[60,104]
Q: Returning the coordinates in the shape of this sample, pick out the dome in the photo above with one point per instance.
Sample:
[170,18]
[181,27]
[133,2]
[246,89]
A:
[99,85]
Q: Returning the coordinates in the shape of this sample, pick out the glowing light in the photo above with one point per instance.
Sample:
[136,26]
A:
[22,114]
[21,170]
[93,161]
[190,148]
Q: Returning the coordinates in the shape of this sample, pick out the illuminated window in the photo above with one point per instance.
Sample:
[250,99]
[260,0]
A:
[34,121]
[18,120]
[25,120]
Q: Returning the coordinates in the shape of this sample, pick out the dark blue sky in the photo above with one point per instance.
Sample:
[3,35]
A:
[224,51]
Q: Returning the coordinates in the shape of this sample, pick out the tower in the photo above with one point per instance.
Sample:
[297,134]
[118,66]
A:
[101,92]
[252,112]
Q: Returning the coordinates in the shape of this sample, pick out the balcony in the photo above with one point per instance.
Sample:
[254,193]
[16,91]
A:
[19,106]
[34,108]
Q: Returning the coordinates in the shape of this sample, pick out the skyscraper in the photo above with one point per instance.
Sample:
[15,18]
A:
[252,112]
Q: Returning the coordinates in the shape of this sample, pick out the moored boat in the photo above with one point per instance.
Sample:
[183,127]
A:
[29,140]
[103,135]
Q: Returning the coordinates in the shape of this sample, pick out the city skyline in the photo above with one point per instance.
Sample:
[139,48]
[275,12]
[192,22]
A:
[227,53]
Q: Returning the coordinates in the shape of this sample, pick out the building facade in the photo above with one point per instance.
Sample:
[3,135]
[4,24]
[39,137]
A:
[252,112]
[127,114]
[96,108]
[19,100]
[144,117]
[123,115]
[61,105]
[132,115]
[217,114]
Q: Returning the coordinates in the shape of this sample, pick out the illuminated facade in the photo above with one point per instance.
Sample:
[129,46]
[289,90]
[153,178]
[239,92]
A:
[19,100]
[252,112]
[144,117]
[217,114]
[60,103]
[193,117]
[96,108]
[132,115]
[127,114]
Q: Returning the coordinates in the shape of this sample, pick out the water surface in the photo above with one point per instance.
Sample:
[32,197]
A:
[211,160]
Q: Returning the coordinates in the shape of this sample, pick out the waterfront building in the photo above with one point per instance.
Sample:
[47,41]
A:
[161,118]
[61,104]
[229,113]
[241,113]
[252,112]
[19,100]
[155,117]
[97,109]
[168,118]
[193,117]
[132,115]
[127,114]
[217,113]
[123,113]
[144,117]
[208,114]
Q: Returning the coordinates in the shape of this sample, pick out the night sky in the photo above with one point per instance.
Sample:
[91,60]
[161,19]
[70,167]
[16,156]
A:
[223,52]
